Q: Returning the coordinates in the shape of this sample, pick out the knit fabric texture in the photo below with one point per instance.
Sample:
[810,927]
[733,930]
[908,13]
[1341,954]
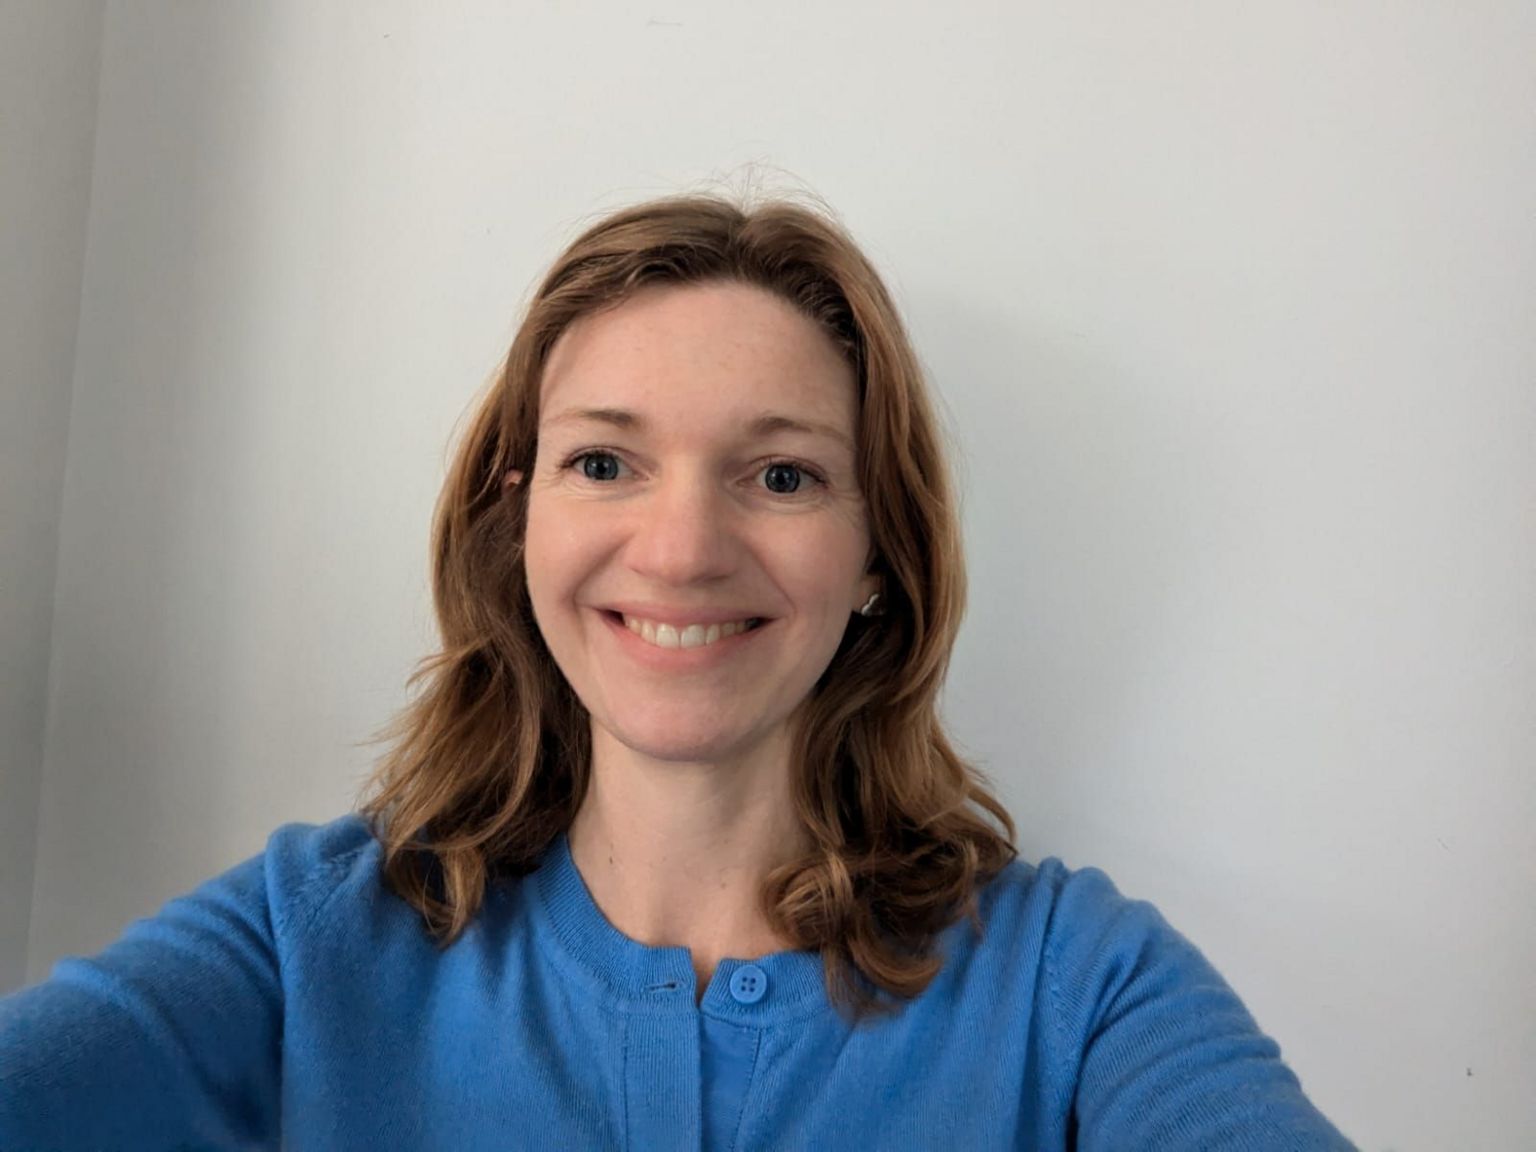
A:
[294,1002]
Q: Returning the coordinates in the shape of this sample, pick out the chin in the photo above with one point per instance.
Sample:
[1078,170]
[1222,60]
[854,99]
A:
[704,743]
[703,750]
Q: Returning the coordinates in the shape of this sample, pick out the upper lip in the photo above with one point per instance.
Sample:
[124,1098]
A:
[679,615]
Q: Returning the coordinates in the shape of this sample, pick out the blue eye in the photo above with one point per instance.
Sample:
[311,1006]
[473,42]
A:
[784,471]
[598,465]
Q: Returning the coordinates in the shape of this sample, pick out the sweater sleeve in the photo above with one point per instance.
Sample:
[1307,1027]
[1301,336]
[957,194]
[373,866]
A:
[170,1037]
[1162,1051]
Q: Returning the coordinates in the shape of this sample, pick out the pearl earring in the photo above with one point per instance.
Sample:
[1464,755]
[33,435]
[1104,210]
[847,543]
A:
[869,607]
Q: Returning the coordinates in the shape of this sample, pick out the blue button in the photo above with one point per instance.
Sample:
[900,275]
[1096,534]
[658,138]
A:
[749,984]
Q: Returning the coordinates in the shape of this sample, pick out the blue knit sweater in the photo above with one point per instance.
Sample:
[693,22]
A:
[295,1001]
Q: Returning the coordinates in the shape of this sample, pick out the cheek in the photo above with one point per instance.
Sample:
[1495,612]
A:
[543,560]
[822,571]
[559,559]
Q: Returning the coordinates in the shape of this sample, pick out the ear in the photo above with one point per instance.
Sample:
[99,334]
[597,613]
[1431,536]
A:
[511,478]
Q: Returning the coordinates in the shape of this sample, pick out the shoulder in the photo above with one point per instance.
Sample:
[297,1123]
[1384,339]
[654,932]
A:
[1091,944]
[307,868]
[1074,923]
[1065,901]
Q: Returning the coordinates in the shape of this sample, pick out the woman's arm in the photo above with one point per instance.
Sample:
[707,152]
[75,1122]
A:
[169,1038]
[1168,1056]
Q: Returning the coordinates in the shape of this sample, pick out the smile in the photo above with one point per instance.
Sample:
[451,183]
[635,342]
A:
[663,635]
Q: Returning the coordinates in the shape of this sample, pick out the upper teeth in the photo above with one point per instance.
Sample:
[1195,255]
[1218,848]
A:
[692,636]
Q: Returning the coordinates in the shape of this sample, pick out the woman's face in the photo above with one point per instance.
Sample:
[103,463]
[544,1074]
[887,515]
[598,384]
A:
[673,494]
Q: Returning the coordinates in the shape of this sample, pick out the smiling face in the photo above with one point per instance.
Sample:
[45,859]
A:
[674,498]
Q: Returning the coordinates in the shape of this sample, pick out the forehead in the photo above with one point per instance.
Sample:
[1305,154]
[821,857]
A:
[699,352]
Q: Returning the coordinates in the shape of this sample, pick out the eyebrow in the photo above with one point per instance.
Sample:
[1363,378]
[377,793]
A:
[764,425]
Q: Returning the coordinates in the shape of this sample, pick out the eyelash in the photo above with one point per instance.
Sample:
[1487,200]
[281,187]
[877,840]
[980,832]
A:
[815,475]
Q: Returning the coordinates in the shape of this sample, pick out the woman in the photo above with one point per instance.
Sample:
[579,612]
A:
[671,851]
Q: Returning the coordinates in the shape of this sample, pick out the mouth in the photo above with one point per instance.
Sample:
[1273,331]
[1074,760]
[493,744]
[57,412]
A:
[665,636]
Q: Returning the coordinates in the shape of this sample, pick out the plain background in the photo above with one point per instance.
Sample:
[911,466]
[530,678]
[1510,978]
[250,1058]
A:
[1231,310]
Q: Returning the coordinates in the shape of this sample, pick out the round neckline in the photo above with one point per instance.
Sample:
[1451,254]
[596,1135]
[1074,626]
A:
[662,978]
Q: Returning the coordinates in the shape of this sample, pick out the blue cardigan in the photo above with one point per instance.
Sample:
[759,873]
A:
[294,1000]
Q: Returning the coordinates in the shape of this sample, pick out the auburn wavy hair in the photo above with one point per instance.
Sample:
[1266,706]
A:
[491,758]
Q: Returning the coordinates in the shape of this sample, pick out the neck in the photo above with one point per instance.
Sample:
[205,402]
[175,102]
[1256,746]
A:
[675,854]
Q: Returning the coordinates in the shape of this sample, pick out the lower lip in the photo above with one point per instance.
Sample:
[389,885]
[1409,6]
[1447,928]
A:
[680,659]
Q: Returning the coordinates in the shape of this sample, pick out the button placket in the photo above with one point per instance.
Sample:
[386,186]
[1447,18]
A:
[662,1106]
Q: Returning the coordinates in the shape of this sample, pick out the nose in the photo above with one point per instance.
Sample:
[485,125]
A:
[685,530]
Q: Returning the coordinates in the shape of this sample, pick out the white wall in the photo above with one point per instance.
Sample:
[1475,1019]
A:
[49,60]
[1232,309]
